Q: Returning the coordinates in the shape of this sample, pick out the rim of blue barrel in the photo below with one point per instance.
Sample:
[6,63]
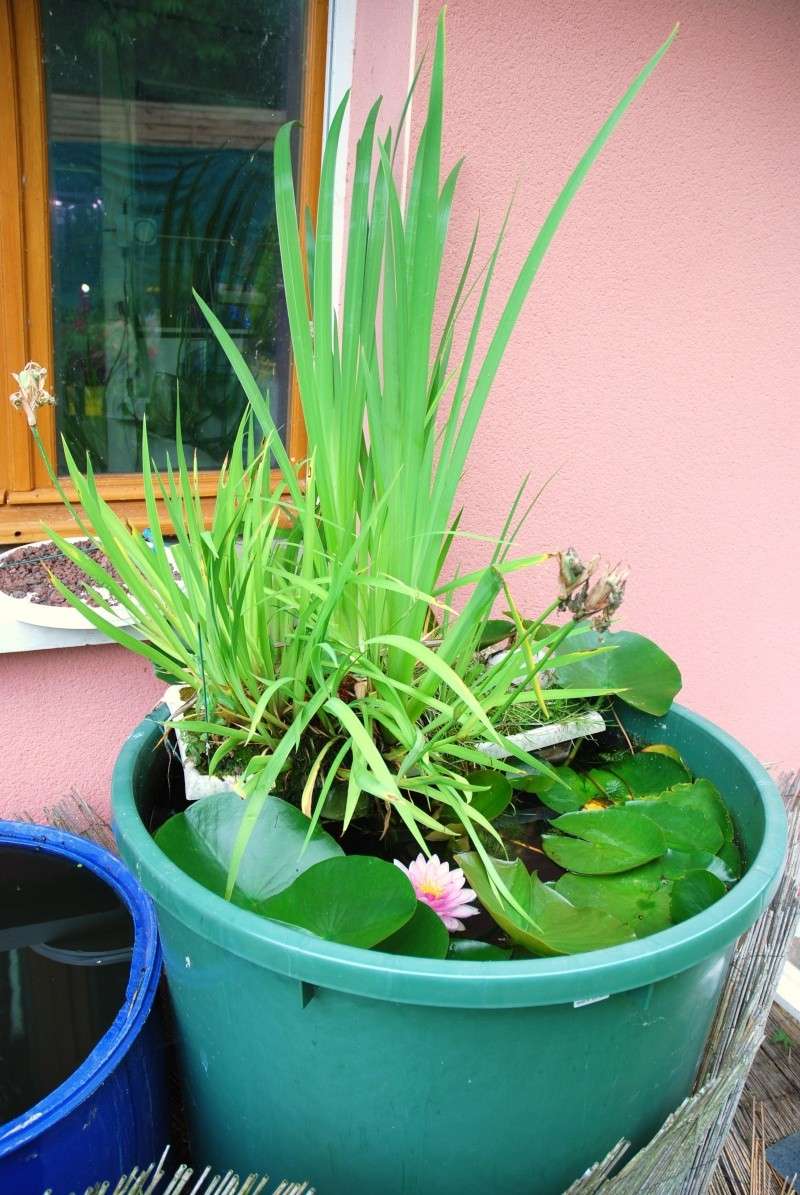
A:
[145,970]
[448,983]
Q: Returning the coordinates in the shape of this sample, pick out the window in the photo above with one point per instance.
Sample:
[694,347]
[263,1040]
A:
[143,132]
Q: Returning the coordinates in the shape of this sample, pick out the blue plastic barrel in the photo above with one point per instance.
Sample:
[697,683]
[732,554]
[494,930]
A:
[110,1113]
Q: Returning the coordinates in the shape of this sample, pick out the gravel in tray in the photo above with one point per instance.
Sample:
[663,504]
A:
[24,573]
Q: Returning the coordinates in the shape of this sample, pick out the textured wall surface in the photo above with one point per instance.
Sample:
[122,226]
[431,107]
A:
[656,363]
[66,714]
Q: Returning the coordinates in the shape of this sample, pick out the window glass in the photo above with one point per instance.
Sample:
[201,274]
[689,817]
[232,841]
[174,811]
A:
[161,118]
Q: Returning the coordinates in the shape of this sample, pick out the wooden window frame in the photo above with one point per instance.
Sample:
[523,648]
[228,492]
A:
[27,499]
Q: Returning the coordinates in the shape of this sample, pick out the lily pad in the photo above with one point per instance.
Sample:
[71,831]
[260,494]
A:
[201,841]
[674,864]
[637,669]
[703,800]
[548,924]
[571,794]
[603,842]
[694,893]
[705,796]
[492,792]
[646,773]
[640,899]
[731,856]
[608,785]
[685,827]
[424,936]
[357,900]
[663,749]
[336,804]
[570,930]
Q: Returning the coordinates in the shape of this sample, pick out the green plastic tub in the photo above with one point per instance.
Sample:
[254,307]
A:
[367,1072]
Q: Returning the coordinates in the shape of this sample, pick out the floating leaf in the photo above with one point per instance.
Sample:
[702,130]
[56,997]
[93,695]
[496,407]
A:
[553,926]
[704,800]
[424,936]
[571,794]
[466,950]
[674,864]
[609,785]
[357,900]
[731,856]
[493,795]
[570,930]
[515,878]
[643,675]
[201,842]
[705,796]
[335,805]
[535,782]
[640,899]
[663,749]
[685,827]
[603,842]
[693,893]
[646,773]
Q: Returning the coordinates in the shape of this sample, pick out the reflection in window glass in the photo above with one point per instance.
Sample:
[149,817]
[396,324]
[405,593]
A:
[161,118]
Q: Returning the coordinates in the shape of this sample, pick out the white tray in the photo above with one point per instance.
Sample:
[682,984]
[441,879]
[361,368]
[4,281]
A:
[42,615]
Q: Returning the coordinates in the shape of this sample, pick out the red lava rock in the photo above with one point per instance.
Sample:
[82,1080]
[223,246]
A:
[25,573]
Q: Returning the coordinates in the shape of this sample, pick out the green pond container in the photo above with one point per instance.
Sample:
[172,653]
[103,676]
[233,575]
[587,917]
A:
[367,1072]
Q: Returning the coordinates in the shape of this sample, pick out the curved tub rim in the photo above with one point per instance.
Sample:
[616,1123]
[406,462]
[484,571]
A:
[479,985]
[145,971]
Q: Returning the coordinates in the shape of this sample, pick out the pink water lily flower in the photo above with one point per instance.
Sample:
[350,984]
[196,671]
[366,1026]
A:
[442,888]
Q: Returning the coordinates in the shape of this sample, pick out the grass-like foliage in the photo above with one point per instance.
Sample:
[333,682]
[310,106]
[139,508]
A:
[313,623]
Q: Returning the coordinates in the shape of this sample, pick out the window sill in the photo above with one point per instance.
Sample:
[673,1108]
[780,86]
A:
[22,523]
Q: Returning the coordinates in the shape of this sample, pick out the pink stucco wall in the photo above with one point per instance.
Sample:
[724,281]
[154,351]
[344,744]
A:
[656,364]
[66,713]
[657,361]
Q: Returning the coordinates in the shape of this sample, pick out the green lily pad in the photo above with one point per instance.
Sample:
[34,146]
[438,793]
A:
[705,796]
[357,900]
[571,794]
[570,930]
[493,795]
[693,893]
[639,899]
[663,749]
[424,936]
[549,923]
[731,856]
[607,784]
[637,669]
[603,842]
[466,950]
[674,864]
[685,827]
[201,841]
[703,801]
[647,773]
[336,804]
[642,898]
